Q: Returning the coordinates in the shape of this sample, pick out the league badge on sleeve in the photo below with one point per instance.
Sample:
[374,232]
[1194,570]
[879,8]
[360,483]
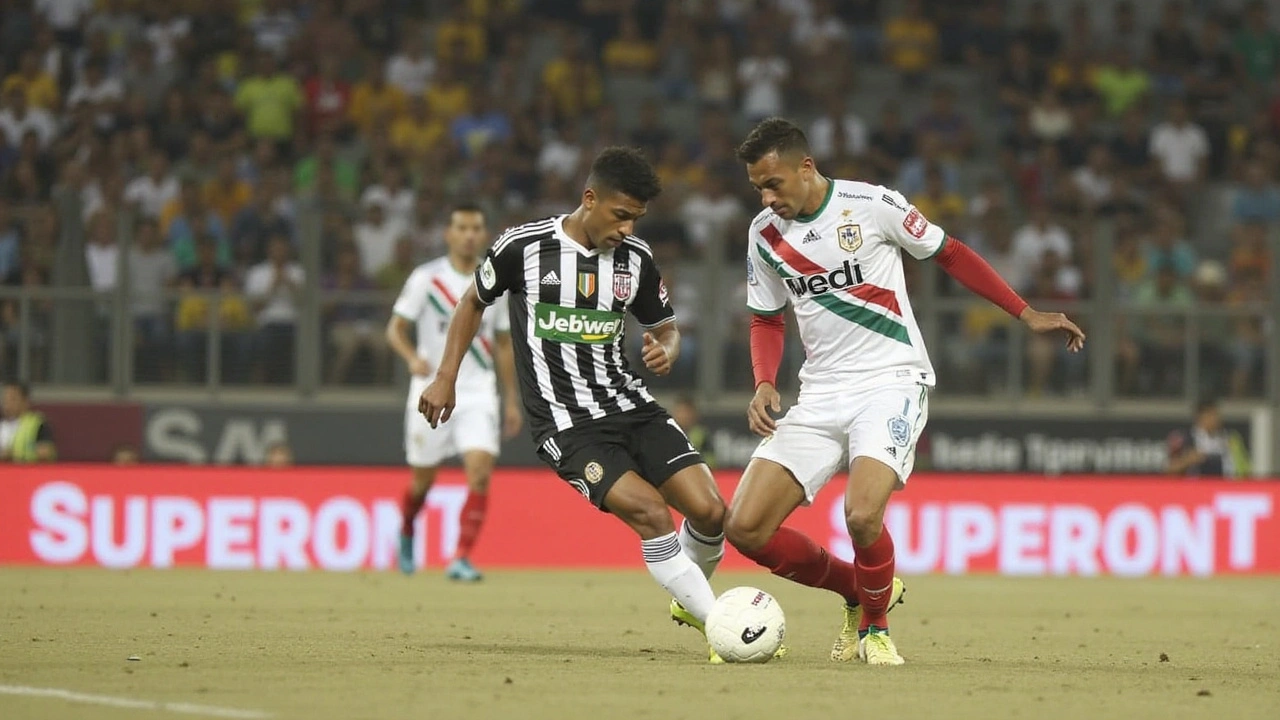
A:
[751,271]
[488,278]
[662,292]
[915,223]
[849,237]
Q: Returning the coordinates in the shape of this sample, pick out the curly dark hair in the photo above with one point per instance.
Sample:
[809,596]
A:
[772,135]
[625,170]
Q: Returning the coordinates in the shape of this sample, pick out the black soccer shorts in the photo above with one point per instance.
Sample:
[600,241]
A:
[591,457]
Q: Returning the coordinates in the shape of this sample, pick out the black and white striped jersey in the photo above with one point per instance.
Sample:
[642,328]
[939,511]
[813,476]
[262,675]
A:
[568,307]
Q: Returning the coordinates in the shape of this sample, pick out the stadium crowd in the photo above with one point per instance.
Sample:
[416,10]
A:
[206,130]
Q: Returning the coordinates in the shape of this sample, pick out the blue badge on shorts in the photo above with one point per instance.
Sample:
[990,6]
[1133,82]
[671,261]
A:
[899,431]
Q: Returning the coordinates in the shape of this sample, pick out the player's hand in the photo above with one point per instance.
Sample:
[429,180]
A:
[419,367]
[1043,322]
[655,355]
[765,402]
[437,401]
[512,419]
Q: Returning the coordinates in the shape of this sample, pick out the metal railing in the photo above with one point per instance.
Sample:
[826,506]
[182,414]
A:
[68,335]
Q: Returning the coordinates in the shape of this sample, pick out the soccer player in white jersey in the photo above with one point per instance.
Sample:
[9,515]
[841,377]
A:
[832,249]
[427,302]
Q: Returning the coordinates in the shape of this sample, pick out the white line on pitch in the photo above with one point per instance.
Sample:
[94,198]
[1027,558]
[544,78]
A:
[134,704]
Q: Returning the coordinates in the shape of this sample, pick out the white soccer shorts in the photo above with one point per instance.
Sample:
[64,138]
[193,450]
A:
[474,425]
[818,436]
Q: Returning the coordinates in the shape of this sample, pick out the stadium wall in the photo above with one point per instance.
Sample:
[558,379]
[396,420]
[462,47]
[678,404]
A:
[345,519]
[231,434]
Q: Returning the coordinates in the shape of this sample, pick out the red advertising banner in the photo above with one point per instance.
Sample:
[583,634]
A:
[349,519]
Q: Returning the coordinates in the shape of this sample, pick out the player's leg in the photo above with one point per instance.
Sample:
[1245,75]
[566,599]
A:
[638,504]
[786,470]
[669,461]
[477,437]
[478,466]
[424,448]
[882,441]
[420,482]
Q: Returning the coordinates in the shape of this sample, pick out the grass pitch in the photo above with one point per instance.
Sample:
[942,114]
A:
[586,645]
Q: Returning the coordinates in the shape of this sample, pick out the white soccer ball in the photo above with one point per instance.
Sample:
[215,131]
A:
[746,625]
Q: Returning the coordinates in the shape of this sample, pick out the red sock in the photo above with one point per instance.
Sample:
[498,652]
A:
[410,504]
[874,565]
[792,555]
[472,519]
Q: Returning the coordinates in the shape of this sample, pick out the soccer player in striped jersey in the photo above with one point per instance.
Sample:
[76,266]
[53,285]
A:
[427,303]
[832,250]
[571,280]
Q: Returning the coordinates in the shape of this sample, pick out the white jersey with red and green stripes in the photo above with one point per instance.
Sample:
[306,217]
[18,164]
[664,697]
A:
[428,299]
[841,271]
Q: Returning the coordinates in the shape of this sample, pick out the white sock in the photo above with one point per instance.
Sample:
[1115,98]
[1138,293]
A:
[678,574]
[702,550]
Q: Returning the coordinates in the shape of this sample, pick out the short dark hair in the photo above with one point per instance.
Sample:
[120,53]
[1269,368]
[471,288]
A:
[466,207]
[1205,404]
[625,170]
[773,134]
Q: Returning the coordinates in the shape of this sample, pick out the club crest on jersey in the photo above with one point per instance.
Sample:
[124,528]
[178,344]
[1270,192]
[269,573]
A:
[586,284]
[849,237]
[594,472]
[622,286]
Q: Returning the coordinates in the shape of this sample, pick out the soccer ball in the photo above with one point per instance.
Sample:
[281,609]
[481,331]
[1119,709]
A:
[746,625]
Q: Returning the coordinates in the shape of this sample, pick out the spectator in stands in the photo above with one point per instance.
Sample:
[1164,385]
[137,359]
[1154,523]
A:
[417,133]
[685,413]
[716,72]
[186,218]
[1121,83]
[270,100]
[150,193]
[38,87]
[1131,149]
[25,435]
[1020,80]
[411,68]
[1161,336]
[947,123]
[989,42]
[1180,147]
[762,76]
[376,236]
[1094,180]
[480,126]
[194,315]
[936,202]
[273,287]
[1208,449]
[145,78]
[1033,241]
[99,91]
[351,323]
[930,153]
[10,242]
[226,194]
[572,83]
[18,119]
[279,455]
[327,99]
[1257,199]
[151,271]
[629,53]
[404,258]
[1050,119]
[838,131]
[375,103]
[1166,243]
[1173,50]
[911,43]
[124,455]
[1257,45]
[709,213]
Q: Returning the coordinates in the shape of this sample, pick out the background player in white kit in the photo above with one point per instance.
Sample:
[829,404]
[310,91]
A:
[427,302]
[832,249]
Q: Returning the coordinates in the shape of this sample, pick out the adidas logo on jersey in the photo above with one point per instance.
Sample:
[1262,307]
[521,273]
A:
[845,276]
[811,237]
[551,278]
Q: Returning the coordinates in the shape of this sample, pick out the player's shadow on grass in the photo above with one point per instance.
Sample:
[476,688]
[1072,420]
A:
[553,651]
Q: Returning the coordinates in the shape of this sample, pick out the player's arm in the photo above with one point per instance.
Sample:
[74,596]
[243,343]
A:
[652,307]
[506,368]
[410,304]
[398,339]
[906,226]
[766,299]
[497,273]
[438,400]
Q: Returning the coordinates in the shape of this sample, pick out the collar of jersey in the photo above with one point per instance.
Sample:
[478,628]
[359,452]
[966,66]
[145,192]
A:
[564,238]
[831,188]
